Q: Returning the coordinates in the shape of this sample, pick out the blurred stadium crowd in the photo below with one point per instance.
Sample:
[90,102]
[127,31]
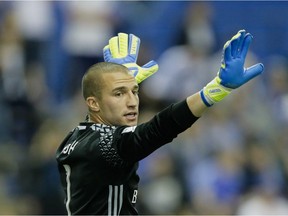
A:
[231,162]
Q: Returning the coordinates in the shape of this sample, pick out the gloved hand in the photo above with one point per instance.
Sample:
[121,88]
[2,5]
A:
[124,50]
[232,73]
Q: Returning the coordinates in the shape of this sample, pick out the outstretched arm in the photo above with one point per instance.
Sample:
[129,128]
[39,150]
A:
[231,75]
[135,143]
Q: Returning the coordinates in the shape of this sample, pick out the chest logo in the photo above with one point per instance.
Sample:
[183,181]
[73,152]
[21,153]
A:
[69,148]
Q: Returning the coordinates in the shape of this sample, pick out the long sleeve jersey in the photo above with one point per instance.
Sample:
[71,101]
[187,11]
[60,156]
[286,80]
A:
[98,163]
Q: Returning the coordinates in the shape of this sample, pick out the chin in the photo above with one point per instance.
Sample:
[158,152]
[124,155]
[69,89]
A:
[132,124]
[127,123]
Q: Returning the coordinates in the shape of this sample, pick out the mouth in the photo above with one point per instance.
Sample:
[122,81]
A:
[131,116]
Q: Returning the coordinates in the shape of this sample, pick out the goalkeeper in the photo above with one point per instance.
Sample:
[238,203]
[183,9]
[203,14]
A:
[98,160]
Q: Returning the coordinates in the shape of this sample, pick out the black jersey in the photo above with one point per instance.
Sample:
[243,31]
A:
[98,163]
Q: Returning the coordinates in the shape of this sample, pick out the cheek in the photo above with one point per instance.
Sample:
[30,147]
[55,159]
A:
[112,106]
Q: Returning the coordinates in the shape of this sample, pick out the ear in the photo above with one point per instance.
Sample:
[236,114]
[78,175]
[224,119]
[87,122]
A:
[93,104]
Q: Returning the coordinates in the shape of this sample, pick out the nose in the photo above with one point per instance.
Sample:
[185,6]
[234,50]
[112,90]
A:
[132,100]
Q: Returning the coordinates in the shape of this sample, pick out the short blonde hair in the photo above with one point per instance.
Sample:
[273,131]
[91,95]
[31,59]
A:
[92,80]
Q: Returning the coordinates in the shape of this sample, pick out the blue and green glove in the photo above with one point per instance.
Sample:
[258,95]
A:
[124,49]
[232,73]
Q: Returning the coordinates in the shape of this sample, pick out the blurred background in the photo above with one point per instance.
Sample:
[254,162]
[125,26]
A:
[231,162]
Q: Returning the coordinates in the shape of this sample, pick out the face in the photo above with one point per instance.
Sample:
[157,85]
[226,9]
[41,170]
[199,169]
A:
[119,103]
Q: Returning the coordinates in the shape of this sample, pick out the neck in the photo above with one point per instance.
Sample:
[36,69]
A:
[94,118]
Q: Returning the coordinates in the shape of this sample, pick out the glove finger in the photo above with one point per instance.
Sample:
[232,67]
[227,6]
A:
[245,46]
[230,48]
[114,47]
[235,41]
[107,54]
[150,64]
[253,71]
[144,74]
[134,45]
[123,44]
[146,71]
[240,43]
[226,54]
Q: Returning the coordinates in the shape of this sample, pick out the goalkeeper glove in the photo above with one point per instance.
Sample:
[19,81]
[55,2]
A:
[124,50]
[232,73]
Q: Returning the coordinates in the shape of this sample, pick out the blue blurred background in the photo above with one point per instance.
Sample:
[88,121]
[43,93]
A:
[231,162]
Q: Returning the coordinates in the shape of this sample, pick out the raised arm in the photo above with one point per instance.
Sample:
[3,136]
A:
[124,49]
[231,75]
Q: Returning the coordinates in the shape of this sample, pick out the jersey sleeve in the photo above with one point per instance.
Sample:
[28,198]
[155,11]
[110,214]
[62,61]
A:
[135,143]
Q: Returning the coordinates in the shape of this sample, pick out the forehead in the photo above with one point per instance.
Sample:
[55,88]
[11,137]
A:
[118,79]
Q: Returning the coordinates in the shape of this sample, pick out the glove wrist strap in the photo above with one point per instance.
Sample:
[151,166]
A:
[214,92]
[205,99]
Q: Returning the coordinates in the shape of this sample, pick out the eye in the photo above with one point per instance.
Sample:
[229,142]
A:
[118,94]
[135,92]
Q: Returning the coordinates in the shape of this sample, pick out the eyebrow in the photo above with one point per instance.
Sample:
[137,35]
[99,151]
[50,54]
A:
[123,88]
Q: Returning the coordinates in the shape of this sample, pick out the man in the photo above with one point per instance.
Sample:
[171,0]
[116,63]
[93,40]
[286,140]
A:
[98,160]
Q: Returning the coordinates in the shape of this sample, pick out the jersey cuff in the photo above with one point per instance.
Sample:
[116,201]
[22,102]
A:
[183,115]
